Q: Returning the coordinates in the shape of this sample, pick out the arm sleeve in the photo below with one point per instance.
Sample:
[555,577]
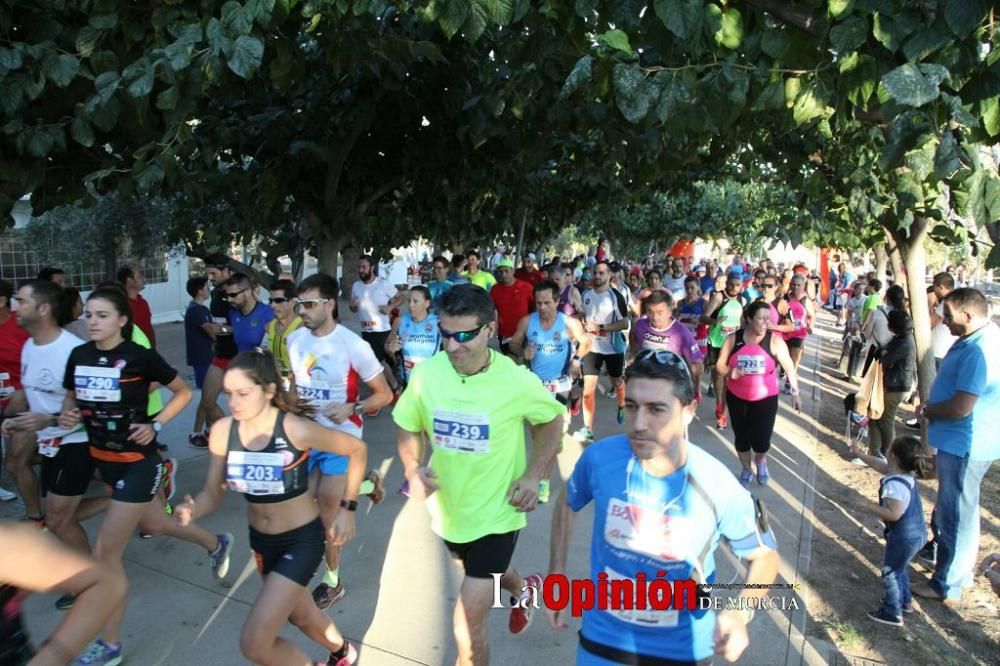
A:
[973,377]
[156,369]
[578,489]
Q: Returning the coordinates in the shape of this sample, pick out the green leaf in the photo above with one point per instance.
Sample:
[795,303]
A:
[235,19]
[501,11]
[772,98]
[616,39]
[991,196]
[993,258]
[947,159]
[10,58]
[143,85]
[921,160]
[964,16]
[849,34]
[811,104]
[82,132]
[247,55]
[840,7]
[926,41]
[167,100]
[775,43]
[104,21]
[674,96]
[476,22]
[631,94]
[907,84]
[682,17]
[859,74]
[216,35]
[453,17]
[87,40]
[148,178]
[990,112]
[105,117]
[261,11]
[60,69]
[730,35]
[581,74]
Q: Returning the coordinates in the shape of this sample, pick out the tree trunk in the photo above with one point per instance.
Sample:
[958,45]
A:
[881,261]
[328,248]
[896,261]
[349,264]
[915,263]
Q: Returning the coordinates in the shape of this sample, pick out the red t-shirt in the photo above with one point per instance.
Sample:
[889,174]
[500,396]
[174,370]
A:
[12,339]
[532,277]
[143,317]
[512,302]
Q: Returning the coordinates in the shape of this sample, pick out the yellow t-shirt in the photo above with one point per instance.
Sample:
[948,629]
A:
[278,344]
[482,279]
[155,403]
[475,426]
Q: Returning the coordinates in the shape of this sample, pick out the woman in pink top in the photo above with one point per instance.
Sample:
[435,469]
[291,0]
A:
[749,359]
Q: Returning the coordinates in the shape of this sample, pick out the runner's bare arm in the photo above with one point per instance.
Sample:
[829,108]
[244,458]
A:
[409,445]
[584,342]
[211,494]
[143,433]
[517,342]
[36,561]
[306,434]
[563,518]
[714,301]
[731,637]
[392,342]
[545,438]
[722,365]
[69,417]
[780,351]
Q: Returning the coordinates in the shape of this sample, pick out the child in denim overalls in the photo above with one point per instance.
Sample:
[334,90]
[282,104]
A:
[900,507]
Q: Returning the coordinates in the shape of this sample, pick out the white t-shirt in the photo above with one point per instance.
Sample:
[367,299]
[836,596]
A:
[898,487]
[42,370]
[329,370]
[941,337]
[602,308]
[371,297]
[675,286]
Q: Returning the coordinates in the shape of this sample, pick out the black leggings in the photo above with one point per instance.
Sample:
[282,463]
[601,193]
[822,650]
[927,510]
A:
[752,421]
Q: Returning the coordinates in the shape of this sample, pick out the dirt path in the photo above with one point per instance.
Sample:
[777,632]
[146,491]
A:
[844,582]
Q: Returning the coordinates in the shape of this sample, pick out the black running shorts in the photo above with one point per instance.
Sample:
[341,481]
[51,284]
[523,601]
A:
[294,554]
[593,362]
[486,555]
[68,473]
[133,482]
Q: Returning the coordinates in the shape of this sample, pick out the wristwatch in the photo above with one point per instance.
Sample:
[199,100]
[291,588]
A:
[350,505]
[358,408]
[157,426]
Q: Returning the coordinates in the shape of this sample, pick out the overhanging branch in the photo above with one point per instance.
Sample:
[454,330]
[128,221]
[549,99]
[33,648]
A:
[790,13]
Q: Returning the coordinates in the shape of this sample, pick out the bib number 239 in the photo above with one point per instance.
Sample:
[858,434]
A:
[461,431]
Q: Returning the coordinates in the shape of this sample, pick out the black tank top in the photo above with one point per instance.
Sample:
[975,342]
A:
[276,473]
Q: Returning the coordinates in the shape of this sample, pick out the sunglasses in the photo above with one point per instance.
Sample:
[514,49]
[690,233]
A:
[310,303]
[232,295]
[277,299]
[461,336]
[663,357]
[769,286]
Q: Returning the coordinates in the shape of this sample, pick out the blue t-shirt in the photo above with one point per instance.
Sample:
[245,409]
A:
[648,524]
[437,289]
[735,269]
[197,342]
[707,284]
[971,367]
[249,329]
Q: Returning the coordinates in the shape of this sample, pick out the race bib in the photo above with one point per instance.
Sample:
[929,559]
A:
[751,364]
[5,391]
[644,618]
[632,527]
[729,329]
[560,385]
[368,325]
[49,447]
[319,392]
[462,431]
[95,384]
[255,473]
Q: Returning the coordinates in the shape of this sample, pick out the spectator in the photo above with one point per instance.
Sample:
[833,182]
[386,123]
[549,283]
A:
[199,335]
[941,338]
[53,274]
[963,411]
[71,313]
[899,364]
[131,277]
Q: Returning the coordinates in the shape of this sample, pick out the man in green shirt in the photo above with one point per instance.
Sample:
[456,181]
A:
[477,277]
[471,403]
[872,300]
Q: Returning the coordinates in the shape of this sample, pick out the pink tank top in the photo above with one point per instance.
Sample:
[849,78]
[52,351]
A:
[775,315]
[759,379]
[797,315]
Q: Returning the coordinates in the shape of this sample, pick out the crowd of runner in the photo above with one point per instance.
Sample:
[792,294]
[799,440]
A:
[299,385]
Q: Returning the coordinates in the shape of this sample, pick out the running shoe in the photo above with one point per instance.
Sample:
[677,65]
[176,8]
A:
[65,602]
[543,491]
[378,494]
[913,424]
[325,596]
[198,441]
[721,420]
[6,495]
[885,618]
[584,436]
[100,654]
[928,554]
[169,478]
[745,477]
[524,610]
[620,416]
[345,656]
[907,609]
[762,475]
[219,558]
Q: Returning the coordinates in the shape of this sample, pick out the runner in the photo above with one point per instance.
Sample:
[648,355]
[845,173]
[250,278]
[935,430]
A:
[755,290]
[724,317]
[132,278]
[260,451]
[415,335]
[606,316]
[690,312]
[682,501]
[248,316]
[478,485]
[674,283]
[107,384]
[552,345]
[12,339]
[218,272]
[440,282]
[749,360]
[654,282]
[527,272]
[798,313]
[199,335]
[285,322]
[374,299]
[513,300]
[31,561]
[570,301]
[659,330]
[329,362]
[482,279]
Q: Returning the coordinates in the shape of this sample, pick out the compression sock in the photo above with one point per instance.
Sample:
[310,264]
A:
[332,577]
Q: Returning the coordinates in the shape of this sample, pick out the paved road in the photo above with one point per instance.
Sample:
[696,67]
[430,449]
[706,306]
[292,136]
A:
[400,582]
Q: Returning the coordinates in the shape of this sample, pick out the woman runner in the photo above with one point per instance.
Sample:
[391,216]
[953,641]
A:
[261,451]
[415,333]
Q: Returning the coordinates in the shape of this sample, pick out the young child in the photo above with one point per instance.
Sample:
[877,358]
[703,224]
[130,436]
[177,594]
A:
[199,347]
[900,507]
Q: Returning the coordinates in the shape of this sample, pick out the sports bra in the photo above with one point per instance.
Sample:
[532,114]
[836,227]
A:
[276,473]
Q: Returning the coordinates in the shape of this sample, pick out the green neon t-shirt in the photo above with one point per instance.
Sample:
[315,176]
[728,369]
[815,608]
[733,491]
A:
[155,404]
[475,426]
[482,279]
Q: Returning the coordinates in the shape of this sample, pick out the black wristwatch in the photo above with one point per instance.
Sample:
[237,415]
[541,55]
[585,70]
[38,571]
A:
[350,505]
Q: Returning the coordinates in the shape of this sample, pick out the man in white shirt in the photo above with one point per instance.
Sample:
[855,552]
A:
[373,299]
[941,336]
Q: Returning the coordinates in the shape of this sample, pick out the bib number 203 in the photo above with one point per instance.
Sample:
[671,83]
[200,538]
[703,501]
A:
[260,473]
